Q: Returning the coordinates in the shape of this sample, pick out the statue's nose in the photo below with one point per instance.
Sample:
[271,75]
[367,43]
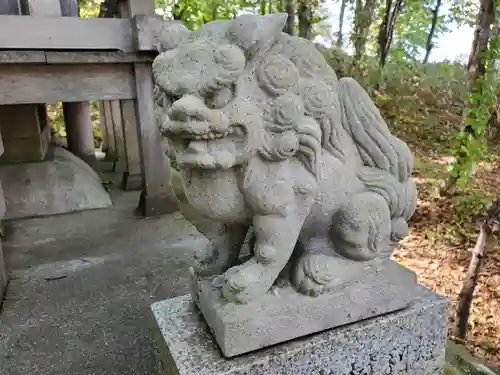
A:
[189,108]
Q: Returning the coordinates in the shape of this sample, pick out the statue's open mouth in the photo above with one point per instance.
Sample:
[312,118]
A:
[196,146]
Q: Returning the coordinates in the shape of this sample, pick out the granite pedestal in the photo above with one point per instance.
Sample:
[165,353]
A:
[284,315]
[407,342]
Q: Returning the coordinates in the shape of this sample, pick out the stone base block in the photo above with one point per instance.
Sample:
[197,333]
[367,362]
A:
[408,342]
[286,314]
[62,185]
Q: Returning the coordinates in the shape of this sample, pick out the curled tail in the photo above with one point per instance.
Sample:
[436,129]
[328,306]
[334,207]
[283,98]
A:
[387,160]
[377,147]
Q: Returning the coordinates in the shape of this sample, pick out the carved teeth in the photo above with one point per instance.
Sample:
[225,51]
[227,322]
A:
[212,135]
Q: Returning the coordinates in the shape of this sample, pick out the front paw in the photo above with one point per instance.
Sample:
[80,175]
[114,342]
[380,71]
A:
[246,282]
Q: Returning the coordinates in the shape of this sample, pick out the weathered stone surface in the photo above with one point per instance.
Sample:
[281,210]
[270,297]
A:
[267,140]
[408,342]
[273,319]
[61,185]
[266,136]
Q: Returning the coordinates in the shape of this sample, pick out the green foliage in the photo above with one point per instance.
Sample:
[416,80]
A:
[413,27]
[193,13]
[89,8]
[470,144]
[463,12]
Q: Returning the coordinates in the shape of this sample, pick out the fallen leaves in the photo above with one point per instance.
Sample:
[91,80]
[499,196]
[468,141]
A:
[442,231]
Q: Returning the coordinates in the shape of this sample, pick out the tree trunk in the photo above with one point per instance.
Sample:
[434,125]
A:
[494,120]
[290,22]
[476,68]
[363,18]
[215,11]
[489,226]
[305,13]
[386,32]
[382,34]
[429,45]
[263,7]
[341,23]
[281,6]
[477,64]
[177,12]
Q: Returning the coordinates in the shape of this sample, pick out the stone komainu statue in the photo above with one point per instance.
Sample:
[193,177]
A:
[267,137]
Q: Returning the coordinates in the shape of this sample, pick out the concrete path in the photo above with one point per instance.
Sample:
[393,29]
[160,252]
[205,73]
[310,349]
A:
[81,287]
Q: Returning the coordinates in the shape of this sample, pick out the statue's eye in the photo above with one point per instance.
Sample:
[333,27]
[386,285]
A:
[160,97]
[220,98]
[174,98]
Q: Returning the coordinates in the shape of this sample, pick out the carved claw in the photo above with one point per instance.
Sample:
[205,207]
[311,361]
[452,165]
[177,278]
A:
[312,274]
[247,281]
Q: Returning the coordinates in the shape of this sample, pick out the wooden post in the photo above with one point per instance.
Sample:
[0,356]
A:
[102,126]
[125,143]
[79,128]
[77,115]
[119,162]
[132,178]
[108,123]
[157,196]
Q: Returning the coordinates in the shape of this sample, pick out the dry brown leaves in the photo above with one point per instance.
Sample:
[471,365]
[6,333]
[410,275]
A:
[442,231]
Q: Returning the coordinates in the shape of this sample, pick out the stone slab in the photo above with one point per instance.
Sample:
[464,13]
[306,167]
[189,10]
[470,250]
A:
[278,318]
[408,342]
[62,185]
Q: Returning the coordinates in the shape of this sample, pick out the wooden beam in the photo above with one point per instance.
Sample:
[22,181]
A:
[39,83]
[96,57]
[74,57]
[65,33]
[22,57]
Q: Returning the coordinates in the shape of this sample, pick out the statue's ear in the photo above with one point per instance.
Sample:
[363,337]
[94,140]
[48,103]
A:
[171,35]
[254,34]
